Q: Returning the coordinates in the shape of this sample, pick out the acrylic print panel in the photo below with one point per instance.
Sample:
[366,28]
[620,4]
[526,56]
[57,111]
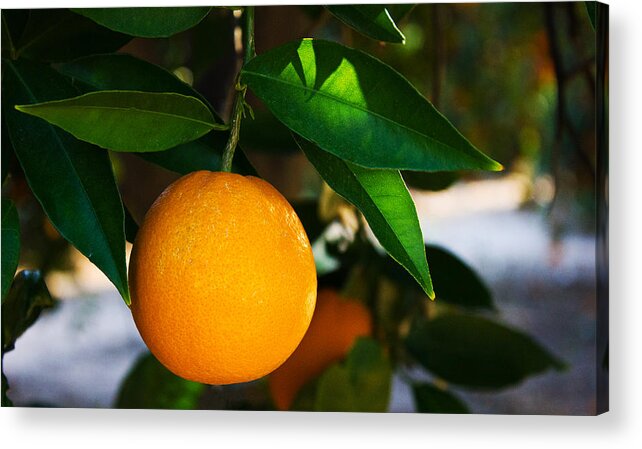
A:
[356,208]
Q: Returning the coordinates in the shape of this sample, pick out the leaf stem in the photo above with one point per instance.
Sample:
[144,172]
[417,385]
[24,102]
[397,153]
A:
[239,99]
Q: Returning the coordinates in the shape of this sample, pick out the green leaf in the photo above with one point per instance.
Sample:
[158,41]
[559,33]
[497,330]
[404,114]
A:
[54,35]
[150,385]
[455,282]
[129,121]
[430,399]
[358,108]
[371,20]
[475,352]
[73,180]
[433,182]
[6,402]
[382,197]
[124,72]
[399,11]
[131,227]
[10,244]
[360,384]
[266,134]
[308,213]
[590,9]
[26,299]
[146,22]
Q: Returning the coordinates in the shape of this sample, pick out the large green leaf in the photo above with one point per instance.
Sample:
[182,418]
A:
[26,299]
[371,20]
[125,72]
[150,385]
[360,384]
[475,352]
[455,282]
[358,108]
[10,244]
[430,399]
[129,121]
[54,35]
[72,180]
[384,200]
[147,22]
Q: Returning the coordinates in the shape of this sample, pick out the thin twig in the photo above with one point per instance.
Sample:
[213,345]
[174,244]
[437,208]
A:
[239,99]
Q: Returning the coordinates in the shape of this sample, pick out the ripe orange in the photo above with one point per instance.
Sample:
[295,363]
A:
[222,278]
[336,324]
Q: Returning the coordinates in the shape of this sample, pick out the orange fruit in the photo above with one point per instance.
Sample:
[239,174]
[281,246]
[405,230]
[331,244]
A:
[222,278]
[336,324]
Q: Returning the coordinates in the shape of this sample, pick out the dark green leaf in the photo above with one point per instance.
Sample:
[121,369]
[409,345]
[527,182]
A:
[383,198]
[358,108]
[129,121]
[8,155]
[131,227]
[265,133]
[26,299]
[475,352]
[150,385]
[590,9]
[455,282]
[72,180]
[308,213]
[430,399]
[433,182]
[6,402]
[360,384]
[371,20]
[124,72]
[13,24]
[399,11]
[54,35]
[10,243]
[146,22]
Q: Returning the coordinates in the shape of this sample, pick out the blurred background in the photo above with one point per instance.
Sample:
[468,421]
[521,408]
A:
[517,79]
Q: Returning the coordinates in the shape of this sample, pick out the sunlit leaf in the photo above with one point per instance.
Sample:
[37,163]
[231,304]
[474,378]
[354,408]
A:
[10,244]
[475,352]
[128,121]
[72,180]
[358,108]
[430,399]
[146,22]
[371,20]
[384,200]
[150,385]
[26,299]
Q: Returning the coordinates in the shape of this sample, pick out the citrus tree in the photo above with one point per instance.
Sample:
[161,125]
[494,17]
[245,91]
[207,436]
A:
[71,103]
